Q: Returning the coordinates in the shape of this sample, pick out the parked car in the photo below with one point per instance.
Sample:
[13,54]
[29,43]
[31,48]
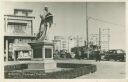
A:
[116,54]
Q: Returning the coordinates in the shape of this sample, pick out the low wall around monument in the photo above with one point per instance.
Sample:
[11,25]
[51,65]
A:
[69,71]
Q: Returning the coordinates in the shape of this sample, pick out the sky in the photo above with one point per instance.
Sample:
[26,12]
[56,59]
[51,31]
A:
[70,18]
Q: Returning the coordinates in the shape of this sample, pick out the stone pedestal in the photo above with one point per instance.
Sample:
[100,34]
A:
[42,56]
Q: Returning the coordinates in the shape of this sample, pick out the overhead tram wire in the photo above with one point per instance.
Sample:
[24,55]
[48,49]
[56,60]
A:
[105,21]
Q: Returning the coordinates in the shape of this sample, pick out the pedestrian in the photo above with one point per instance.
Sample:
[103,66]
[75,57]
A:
[97,56]
[79,53]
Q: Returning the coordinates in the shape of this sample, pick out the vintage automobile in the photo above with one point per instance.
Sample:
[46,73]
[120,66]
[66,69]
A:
[116,54]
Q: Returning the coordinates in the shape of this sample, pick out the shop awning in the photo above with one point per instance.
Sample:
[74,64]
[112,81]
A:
[25,48]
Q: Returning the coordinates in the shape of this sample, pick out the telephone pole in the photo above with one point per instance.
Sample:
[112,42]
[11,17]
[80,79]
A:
[87,32]
[86,25]
[100,38]
[77,41]
[108,39]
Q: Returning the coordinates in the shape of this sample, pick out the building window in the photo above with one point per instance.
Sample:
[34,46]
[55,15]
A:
[18,28]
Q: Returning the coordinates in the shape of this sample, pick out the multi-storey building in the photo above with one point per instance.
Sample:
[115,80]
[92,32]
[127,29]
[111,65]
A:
[18,33]
[63,43]
[60,43]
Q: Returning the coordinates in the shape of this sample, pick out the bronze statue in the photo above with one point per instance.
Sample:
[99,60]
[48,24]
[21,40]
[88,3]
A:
[46,22]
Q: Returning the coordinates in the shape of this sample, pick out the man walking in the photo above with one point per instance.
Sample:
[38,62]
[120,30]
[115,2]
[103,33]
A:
[97,56]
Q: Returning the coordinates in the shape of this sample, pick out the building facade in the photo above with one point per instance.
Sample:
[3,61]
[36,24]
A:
[18,33]
[60,43]
[63,43]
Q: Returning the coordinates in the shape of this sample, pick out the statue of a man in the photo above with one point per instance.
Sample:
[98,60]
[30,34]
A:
[46,22]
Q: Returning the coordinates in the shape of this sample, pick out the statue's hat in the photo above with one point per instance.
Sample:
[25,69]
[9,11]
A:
[46,8]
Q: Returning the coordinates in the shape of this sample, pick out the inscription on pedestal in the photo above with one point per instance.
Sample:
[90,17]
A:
[48,53]
[37,53]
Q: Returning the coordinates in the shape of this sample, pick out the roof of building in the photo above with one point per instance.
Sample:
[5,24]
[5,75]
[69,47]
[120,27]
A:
[24,10]
[20,16]
[19,36]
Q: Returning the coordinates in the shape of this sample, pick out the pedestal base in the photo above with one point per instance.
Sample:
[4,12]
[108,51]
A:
[45,65]
[42,56]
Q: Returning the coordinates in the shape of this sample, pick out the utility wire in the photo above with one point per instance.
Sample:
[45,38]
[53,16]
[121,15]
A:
[105,21]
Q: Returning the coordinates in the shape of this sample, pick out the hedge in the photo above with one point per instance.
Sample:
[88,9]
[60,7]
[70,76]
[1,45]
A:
[76,70]
[15,67]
